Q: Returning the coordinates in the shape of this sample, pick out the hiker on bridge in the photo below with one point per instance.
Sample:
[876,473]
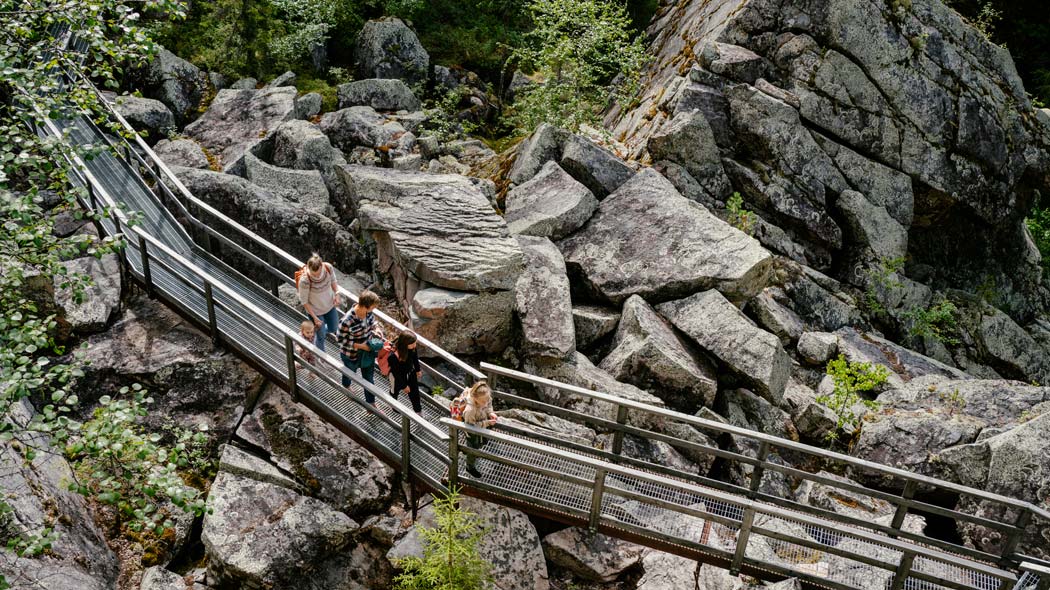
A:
[404,366]
[474,407]
[360,339]
[319,294]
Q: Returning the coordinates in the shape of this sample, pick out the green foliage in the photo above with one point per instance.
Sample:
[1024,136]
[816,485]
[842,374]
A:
[328,90]
[851,379]
[127,468]
[1038,222]
[954,400]
[437,390]
[937,321]
[881,281]
[577,48]
[451,560]
[443,117]
[739,217]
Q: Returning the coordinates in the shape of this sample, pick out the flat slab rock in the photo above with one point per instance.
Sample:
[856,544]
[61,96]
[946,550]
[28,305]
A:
[239,119]
[594,557]
[446,234]
[647,239]
[551,204]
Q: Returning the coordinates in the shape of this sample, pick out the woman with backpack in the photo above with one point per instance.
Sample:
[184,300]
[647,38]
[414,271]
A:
[404,367]
[319,294]
[474,407]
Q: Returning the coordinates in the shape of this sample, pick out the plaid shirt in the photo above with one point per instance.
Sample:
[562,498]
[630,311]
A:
[354,330]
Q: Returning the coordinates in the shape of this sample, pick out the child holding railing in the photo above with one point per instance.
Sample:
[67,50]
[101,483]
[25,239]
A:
[474,407]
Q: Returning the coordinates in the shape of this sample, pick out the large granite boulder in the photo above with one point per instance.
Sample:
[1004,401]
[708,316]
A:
[362,126]
[594,557]
[1010,350]
[648,353]
[434,228]
[99,301]
[687,140]
[388,48]
[646,239]
[542,301]
[852,504]
[297,230]
[545,144]
[873,228]
[464,322]
[551,204]
[146,114]
[904,364]
[598,169]
[239,119]
[721,329]
[380,94]
[305,187]
[182,152]
[323,460]
[511,544]
[177,83]
[593,323]
[38,495]
[303,146]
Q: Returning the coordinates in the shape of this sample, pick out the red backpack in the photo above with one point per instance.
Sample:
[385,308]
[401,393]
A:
[383,358]
[302,272]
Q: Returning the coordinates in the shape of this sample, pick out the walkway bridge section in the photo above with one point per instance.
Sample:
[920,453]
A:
[197,260]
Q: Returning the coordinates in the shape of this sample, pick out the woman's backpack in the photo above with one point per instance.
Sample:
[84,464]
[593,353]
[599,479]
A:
[303,272]
[457,407]
[383,358]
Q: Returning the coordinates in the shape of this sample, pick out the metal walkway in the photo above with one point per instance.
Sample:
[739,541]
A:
[198,261]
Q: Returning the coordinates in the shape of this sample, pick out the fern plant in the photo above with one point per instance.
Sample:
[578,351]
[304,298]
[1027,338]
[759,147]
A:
[451,560]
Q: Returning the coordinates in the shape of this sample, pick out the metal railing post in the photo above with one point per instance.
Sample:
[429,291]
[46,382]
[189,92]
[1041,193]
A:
[902,509]
[742,536]
[490,378]
[903,569]
[1015,536]
[406,446]
[596,499]
[293,381]
[453,456]
[147,277]
[621,419]
[758,470]
[213,325]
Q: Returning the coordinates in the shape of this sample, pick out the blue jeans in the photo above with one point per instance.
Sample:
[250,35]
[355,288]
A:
[367,372]
[329,322]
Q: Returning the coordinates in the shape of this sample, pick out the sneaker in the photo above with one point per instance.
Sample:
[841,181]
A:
[473,471]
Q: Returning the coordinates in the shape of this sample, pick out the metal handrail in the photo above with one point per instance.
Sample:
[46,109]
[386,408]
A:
[295,337]
[767,441]
[266,244]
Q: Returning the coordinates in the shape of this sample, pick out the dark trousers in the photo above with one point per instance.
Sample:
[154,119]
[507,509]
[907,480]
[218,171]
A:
[474,441]
[368,373]
[413,396]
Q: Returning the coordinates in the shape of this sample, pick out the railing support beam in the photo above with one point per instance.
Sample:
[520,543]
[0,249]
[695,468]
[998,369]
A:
[621,419]
[213,325]
[902,509]
[147,277]
[758,470]
[742,536]
[406,446]
[293,381]
[596,500]
[903,569]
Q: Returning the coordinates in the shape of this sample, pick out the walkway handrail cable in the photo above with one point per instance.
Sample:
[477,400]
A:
[266,244]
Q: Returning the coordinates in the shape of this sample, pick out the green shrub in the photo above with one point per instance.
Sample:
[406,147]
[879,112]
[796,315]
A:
[851,379]
[882,281]
[937,322]
[1039,225]
[451,560]
[739,217]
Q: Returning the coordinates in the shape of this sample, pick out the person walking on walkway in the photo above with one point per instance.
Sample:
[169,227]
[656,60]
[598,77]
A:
[474,407]
[404,366]
[360,338]
[319,294]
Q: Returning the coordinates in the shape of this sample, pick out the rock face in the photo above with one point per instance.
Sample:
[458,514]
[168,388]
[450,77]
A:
[298,230]
[177,83]
[591,556]
[542,301]
[305,187]
[648,353]
[146,114]
[387,48]
[807,102]
[723,330]
[181,152]
[646,239]
[552,204]
[511,545]
[464,322]
[380,94]
[687,140]
[100,301]
[593,323]
[1013,352]
[238,119]
[545,144]
[596,168]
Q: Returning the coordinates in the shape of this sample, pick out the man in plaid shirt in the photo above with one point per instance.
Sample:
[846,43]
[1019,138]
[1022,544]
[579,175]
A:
[360,338]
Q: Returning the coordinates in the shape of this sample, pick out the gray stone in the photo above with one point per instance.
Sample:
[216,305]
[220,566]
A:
[592,323]
[723,330]
[542,301]
[239,119]
[239,462]
[775,317]
[437,229]
[687,140]
[146,114]
[746,409]
[904,364]
[648,353]
[816,348]
[590,556]
[361,126]
[820,308]
[997,403]
[551,204]
[388,48]
[545,144]
[872,226]
[262,535]
[511,544]
[732,61]
[665,571]
[177,83]
[854,505]
[100,300]
[1011,350]
[158,578]
[304,187]
[182,152]
[464,322]
[549,425]
[598,169]
[285,79]
[303,146]
[380,94]
[813,420]
[674,247]
[245,84]
[218,81]
[409,163]
[308,105]
[881,185]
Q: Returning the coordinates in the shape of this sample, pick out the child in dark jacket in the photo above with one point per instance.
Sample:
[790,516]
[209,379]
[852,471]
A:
[404,366]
